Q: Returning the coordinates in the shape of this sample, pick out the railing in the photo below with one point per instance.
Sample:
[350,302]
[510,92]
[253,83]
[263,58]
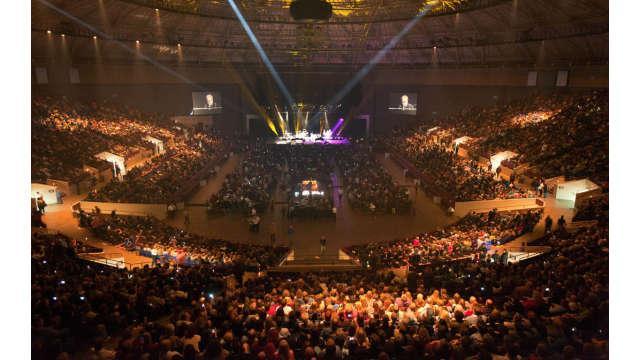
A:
[528,249]
[115,260]
[295,257]
[520,256]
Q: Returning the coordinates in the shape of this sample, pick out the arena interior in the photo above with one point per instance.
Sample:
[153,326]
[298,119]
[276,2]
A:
[310,179]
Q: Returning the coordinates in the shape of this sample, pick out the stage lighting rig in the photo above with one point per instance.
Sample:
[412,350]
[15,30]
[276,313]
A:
[310,10]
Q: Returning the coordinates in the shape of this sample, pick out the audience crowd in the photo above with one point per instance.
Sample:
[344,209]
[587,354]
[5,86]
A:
[473,235]
[211,299]
[309,168]
[251,185]
[366,185]
[166,244]
[554,306]
[67,134]
[594,209]
[554,135]
[453,176]
[369,187]
[574,142]
[60,127]
[168,176]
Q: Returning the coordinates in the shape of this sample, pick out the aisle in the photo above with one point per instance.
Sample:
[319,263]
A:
[59,218]
[213,185]
[553,208]
[423,203]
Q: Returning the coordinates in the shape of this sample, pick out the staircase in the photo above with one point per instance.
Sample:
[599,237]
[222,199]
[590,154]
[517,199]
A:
[297,261]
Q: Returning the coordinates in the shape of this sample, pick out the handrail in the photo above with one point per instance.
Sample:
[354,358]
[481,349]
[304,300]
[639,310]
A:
[102,258]
[528,248]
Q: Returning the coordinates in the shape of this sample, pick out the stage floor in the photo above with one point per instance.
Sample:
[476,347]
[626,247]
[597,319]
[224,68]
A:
[312,141]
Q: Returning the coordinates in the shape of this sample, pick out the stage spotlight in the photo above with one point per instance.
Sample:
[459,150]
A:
[157,10]
[49,32]
[138,42]
[261,52]
[95,37]
[62,35]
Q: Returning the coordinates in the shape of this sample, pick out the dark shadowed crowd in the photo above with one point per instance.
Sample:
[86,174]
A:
[554,306]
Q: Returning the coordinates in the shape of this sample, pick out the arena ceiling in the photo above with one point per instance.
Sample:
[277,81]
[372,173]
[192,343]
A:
[453,33]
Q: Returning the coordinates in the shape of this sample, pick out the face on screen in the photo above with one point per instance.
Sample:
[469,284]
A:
[405,101]
[206,103]
[210,102]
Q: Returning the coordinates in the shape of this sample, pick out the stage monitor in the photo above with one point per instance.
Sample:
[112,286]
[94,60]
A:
[404,103]
[206,102]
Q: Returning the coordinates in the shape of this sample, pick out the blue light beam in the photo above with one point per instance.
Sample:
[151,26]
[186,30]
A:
[263,55]
[376,58]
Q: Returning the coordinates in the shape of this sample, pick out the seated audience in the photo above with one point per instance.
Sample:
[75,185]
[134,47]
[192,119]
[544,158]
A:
[369,187]
[553,135]
[556,303]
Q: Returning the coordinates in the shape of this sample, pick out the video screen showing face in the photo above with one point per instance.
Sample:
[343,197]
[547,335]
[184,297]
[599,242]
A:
[206,102]
[403,103]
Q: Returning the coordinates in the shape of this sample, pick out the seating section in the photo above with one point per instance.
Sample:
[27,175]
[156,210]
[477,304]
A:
[471,237]
[61,127]
[553,304]
[452,293]
[369,187]
[554,135]
[250,186]
[169,177]
[164,243]
[594,209]
[66,134]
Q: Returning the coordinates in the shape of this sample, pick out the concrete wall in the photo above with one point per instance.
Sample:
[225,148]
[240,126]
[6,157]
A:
[157,210]
[463,208]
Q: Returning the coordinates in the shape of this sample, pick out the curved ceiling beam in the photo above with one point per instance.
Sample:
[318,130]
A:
[520,37]
[469,5]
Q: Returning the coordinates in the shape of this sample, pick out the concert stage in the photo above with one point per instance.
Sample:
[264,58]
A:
[306,138]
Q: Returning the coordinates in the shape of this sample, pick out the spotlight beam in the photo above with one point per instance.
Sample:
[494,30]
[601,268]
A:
[337,125]
[121,44]
[146,58]
[281,122]
[247,93]
[376,58]
[261,52]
